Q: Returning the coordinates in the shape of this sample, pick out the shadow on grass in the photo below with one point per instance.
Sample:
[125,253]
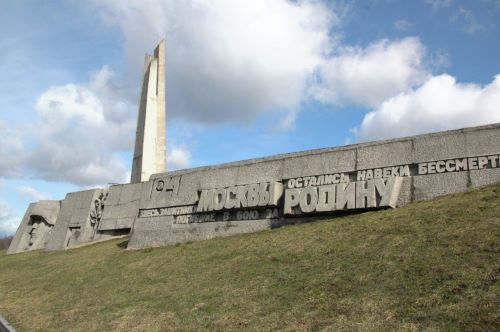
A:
[123,244]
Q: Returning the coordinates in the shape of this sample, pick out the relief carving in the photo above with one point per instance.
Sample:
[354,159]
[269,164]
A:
[39,230]
[96,213]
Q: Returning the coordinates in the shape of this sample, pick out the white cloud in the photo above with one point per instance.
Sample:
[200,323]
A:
[31,193]
[367,76]
[8,220]
[466,20]
[403,25]
[81,130]
[62,104]
[11,146]
[439,59]
[288,120]
[439,4]
[439,104]
[77,134]
[178,157]
[228,60]
[243,58]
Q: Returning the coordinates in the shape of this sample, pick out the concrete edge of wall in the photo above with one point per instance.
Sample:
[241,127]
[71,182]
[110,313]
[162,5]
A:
[5,326]
[322,151]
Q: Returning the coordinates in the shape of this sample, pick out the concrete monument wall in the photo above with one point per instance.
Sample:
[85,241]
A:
[258,194]
[36,227]
[252,195]
[78,220]
[122,204]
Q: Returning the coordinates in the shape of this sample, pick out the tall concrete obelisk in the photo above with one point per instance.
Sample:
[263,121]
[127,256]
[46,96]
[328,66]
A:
[150,142]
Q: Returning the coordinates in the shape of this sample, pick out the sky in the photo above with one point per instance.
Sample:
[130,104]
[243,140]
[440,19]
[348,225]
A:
[245,79]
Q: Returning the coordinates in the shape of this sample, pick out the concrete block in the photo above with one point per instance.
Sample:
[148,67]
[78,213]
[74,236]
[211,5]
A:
[167,190]
[130,193]
[439,146]
[73,226]
[36,226]
[114,194]
[384,155]
[121,206]
[218,178]
[317,164]
[151,232]
[483,177]
[405,194]
[260,172]
[482,142]
[160,232]
[434,185]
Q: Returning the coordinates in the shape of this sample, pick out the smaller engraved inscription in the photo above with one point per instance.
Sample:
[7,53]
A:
[241,215]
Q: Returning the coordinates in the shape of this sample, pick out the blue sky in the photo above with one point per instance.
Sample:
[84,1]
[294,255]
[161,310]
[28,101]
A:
[245,79]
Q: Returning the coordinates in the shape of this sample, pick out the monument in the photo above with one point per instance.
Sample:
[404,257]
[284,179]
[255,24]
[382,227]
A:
[160,208]
[150,151]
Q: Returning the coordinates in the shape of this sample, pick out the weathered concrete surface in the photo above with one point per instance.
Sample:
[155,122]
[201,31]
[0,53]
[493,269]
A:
[254,195]
[160,232]
[157,225]
[73,226]
[36,226]
[150,143]
[121,206]
[5,326]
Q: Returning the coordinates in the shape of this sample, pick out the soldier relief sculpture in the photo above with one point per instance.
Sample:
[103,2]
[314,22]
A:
[39,230]
[96,213]
[35,223]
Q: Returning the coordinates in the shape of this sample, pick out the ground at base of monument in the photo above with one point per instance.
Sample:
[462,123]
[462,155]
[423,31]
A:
[432,265]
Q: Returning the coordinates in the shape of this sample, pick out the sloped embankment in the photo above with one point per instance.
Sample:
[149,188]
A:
[432,265]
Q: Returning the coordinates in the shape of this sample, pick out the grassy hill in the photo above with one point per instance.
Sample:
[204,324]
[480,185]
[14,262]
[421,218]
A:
[430,266]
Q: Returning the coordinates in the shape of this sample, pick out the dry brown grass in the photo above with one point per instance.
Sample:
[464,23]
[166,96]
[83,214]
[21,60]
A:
[430,266]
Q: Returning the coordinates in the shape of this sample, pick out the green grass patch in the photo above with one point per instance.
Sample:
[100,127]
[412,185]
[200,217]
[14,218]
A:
[429,266]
